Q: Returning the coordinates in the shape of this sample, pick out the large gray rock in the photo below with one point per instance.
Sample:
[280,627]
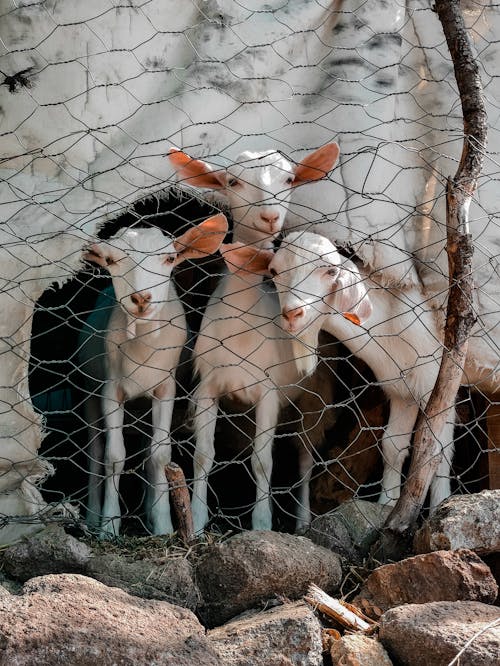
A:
[329,531]
[458,575]
[70,619]
[463,521]
[172,580]
[282,636]
[358,650]
[52,551]
[251,568]
[46,552]
[350,529]
[433,634]
[363,520]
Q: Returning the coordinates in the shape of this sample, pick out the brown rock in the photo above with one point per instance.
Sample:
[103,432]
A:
[69,619]
[463,521]
[250,568]
[433,634]
[358,650]
[282,636]
[493,561]
[458,575]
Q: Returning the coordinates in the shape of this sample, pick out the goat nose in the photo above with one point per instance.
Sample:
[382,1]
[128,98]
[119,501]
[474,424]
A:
[292,316]
[141,300]
[270,216]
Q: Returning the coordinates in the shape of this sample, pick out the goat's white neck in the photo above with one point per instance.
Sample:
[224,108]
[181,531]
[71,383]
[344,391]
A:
[250,236]
[240,283]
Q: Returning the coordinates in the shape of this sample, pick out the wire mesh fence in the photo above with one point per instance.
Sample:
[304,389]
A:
[92,100]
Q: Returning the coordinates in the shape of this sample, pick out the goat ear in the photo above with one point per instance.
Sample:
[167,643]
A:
[202,240]
[241,258]
[317,165]
[349,295]
[98,254]
[196,172]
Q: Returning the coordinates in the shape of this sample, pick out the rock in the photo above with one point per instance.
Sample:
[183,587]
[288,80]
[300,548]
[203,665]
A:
[282,636]
[350,529]
[359,650]
[463,521]
[9,585]
[433,634]
[364,520]
[493,561]
[46,552]
[72,619]
[250,568]
[54,551]
[172,581]
[458,575]
[329,531]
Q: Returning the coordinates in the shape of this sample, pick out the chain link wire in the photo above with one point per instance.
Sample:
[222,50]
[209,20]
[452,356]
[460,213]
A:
[94,95]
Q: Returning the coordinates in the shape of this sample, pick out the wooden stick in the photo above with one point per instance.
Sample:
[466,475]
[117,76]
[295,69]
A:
[181,504]
[337,609]
[459,317]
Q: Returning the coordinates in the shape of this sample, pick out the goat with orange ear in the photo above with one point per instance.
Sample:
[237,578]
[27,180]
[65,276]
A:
[136,353]
[258,186]
[398,339]
[240,351]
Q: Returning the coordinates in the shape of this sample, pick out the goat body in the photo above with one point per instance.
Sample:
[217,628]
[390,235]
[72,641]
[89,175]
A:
[241,353]
[137,356]
[400,341]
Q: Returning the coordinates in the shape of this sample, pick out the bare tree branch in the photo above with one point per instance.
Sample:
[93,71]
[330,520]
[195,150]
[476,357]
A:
[459,317]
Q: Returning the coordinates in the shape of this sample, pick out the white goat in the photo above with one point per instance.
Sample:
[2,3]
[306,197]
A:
[241,352]
[400,342]
[137,354]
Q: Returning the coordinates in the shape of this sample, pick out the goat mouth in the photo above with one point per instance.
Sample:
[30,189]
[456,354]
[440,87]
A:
[271,231]
[271,228]
[295,330]
[303,330]
[142,314]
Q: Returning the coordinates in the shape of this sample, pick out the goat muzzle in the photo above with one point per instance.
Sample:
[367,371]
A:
[293,318]
[142,302]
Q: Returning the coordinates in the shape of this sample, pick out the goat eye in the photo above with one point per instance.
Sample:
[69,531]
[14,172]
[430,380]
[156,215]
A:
[272,272]
[334,272]
[232,182]
[169,259]
[290,180]
[109,261]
